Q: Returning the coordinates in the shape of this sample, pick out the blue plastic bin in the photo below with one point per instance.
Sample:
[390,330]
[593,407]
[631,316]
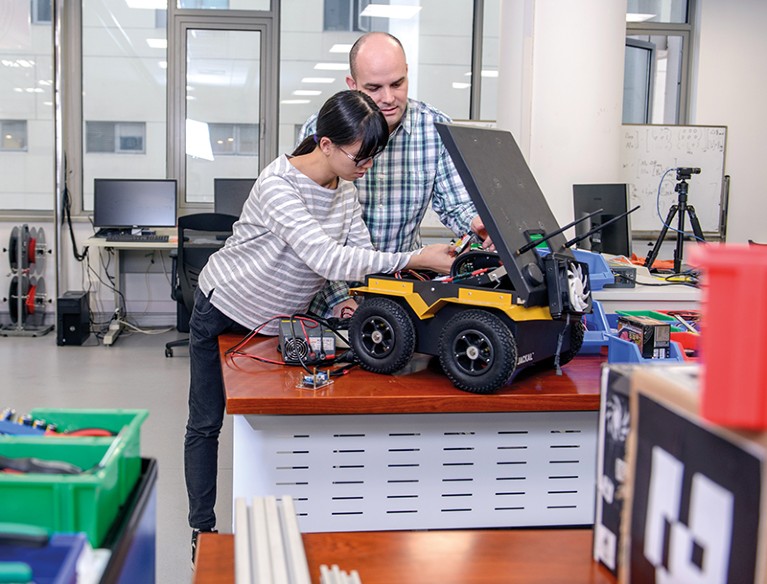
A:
[623,351]
[55,563]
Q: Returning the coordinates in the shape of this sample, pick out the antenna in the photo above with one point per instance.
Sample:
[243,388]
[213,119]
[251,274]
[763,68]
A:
[532,244]
[590,232]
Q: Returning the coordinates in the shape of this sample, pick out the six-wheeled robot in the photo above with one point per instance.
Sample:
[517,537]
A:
[497,312]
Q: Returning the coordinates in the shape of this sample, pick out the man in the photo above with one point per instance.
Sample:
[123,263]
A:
[414,170]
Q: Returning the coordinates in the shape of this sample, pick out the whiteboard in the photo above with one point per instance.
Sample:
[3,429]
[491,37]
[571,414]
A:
[648,151]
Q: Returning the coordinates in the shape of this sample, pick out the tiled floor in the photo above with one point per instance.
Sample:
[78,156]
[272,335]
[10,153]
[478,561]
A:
[132,373]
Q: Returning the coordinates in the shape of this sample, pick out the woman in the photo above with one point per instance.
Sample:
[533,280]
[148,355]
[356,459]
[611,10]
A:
[301,225]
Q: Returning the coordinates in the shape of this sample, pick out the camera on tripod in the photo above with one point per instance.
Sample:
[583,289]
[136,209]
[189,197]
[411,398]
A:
[685,173]
[683,209]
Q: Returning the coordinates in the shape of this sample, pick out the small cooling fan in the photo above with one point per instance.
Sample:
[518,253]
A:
[578,291]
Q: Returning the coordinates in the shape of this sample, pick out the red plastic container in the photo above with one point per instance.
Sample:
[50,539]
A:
[733,343]
[689,343]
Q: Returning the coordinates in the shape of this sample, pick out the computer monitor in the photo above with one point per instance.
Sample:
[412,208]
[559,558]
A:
[614,239]
[229,194]
[120,203]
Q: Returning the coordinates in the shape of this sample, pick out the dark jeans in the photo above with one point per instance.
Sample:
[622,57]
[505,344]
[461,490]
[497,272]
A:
[206,409]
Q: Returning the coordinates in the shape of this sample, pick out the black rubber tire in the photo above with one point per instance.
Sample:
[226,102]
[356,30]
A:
[577,332]
[382,335]
[477,351]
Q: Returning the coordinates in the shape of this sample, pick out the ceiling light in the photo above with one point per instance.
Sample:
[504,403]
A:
[157,43]
[485,73]
[459,85]
[163,64]
[317,80]
[18,63]
[388,11]
[295,101]
[307,92]
[339,48]
[332,66]
[198,140]
[638,17]
[148,4]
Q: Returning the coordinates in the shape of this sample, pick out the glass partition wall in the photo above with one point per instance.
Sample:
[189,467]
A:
[189,89]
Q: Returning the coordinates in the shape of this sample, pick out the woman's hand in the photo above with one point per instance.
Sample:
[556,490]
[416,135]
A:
[436,257]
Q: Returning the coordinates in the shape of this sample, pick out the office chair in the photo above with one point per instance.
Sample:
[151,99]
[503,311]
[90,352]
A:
[199,236]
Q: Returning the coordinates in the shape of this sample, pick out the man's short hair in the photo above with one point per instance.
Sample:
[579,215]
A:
[361,41]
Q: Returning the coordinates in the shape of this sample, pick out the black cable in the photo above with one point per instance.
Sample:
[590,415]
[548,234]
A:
[67,205]
[693,283]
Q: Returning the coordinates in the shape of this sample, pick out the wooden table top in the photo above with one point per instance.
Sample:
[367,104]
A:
[523,556]
[255,387]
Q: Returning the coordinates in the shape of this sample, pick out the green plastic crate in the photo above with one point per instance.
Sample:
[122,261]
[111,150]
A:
[87,502]
[647,313]
[126,423]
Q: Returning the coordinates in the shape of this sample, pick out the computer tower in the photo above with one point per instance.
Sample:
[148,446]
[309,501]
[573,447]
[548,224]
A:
[73,318]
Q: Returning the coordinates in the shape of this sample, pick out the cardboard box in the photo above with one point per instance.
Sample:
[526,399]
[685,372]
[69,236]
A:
[652,336]
[611,463]
[695,491]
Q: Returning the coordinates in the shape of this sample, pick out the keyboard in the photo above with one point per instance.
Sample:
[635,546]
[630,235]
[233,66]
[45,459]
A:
[136,237]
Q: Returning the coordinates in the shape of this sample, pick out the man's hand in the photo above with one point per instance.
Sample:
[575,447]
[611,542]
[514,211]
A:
[478,227]
[345,309]
[436,257]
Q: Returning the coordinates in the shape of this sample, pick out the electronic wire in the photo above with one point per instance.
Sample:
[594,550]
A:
[302,319]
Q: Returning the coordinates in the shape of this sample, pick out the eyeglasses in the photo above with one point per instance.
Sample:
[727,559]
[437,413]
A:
[357,162]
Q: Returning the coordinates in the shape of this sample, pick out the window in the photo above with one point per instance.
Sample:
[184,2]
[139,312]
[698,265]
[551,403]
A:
[124,94]
[42,11]
[27,148]
[438,37]
[658,58]
[345,15]
[234,139]
[13,135]
[223,4]
[115,137]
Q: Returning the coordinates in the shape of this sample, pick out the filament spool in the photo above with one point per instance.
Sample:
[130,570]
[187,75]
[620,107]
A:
[37,249]
[31,310]
[27,249]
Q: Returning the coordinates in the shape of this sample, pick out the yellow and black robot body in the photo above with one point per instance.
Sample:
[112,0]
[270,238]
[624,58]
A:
[498,312]
[482,330]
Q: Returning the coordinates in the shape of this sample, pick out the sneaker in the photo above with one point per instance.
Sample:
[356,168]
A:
[195,534]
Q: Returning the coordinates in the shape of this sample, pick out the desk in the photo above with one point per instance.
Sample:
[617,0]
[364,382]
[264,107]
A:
[410,451]
[677,297]
[120,246]
[525,556]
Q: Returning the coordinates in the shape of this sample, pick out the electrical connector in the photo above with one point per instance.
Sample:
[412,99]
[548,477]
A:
[316,380]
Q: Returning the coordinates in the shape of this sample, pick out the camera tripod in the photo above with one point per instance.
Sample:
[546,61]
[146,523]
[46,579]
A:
[681,208]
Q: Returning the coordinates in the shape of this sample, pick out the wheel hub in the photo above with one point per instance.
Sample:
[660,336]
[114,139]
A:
[377,337]
[473,352]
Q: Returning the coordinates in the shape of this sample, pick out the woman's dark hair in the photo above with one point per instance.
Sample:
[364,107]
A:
[347,117]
